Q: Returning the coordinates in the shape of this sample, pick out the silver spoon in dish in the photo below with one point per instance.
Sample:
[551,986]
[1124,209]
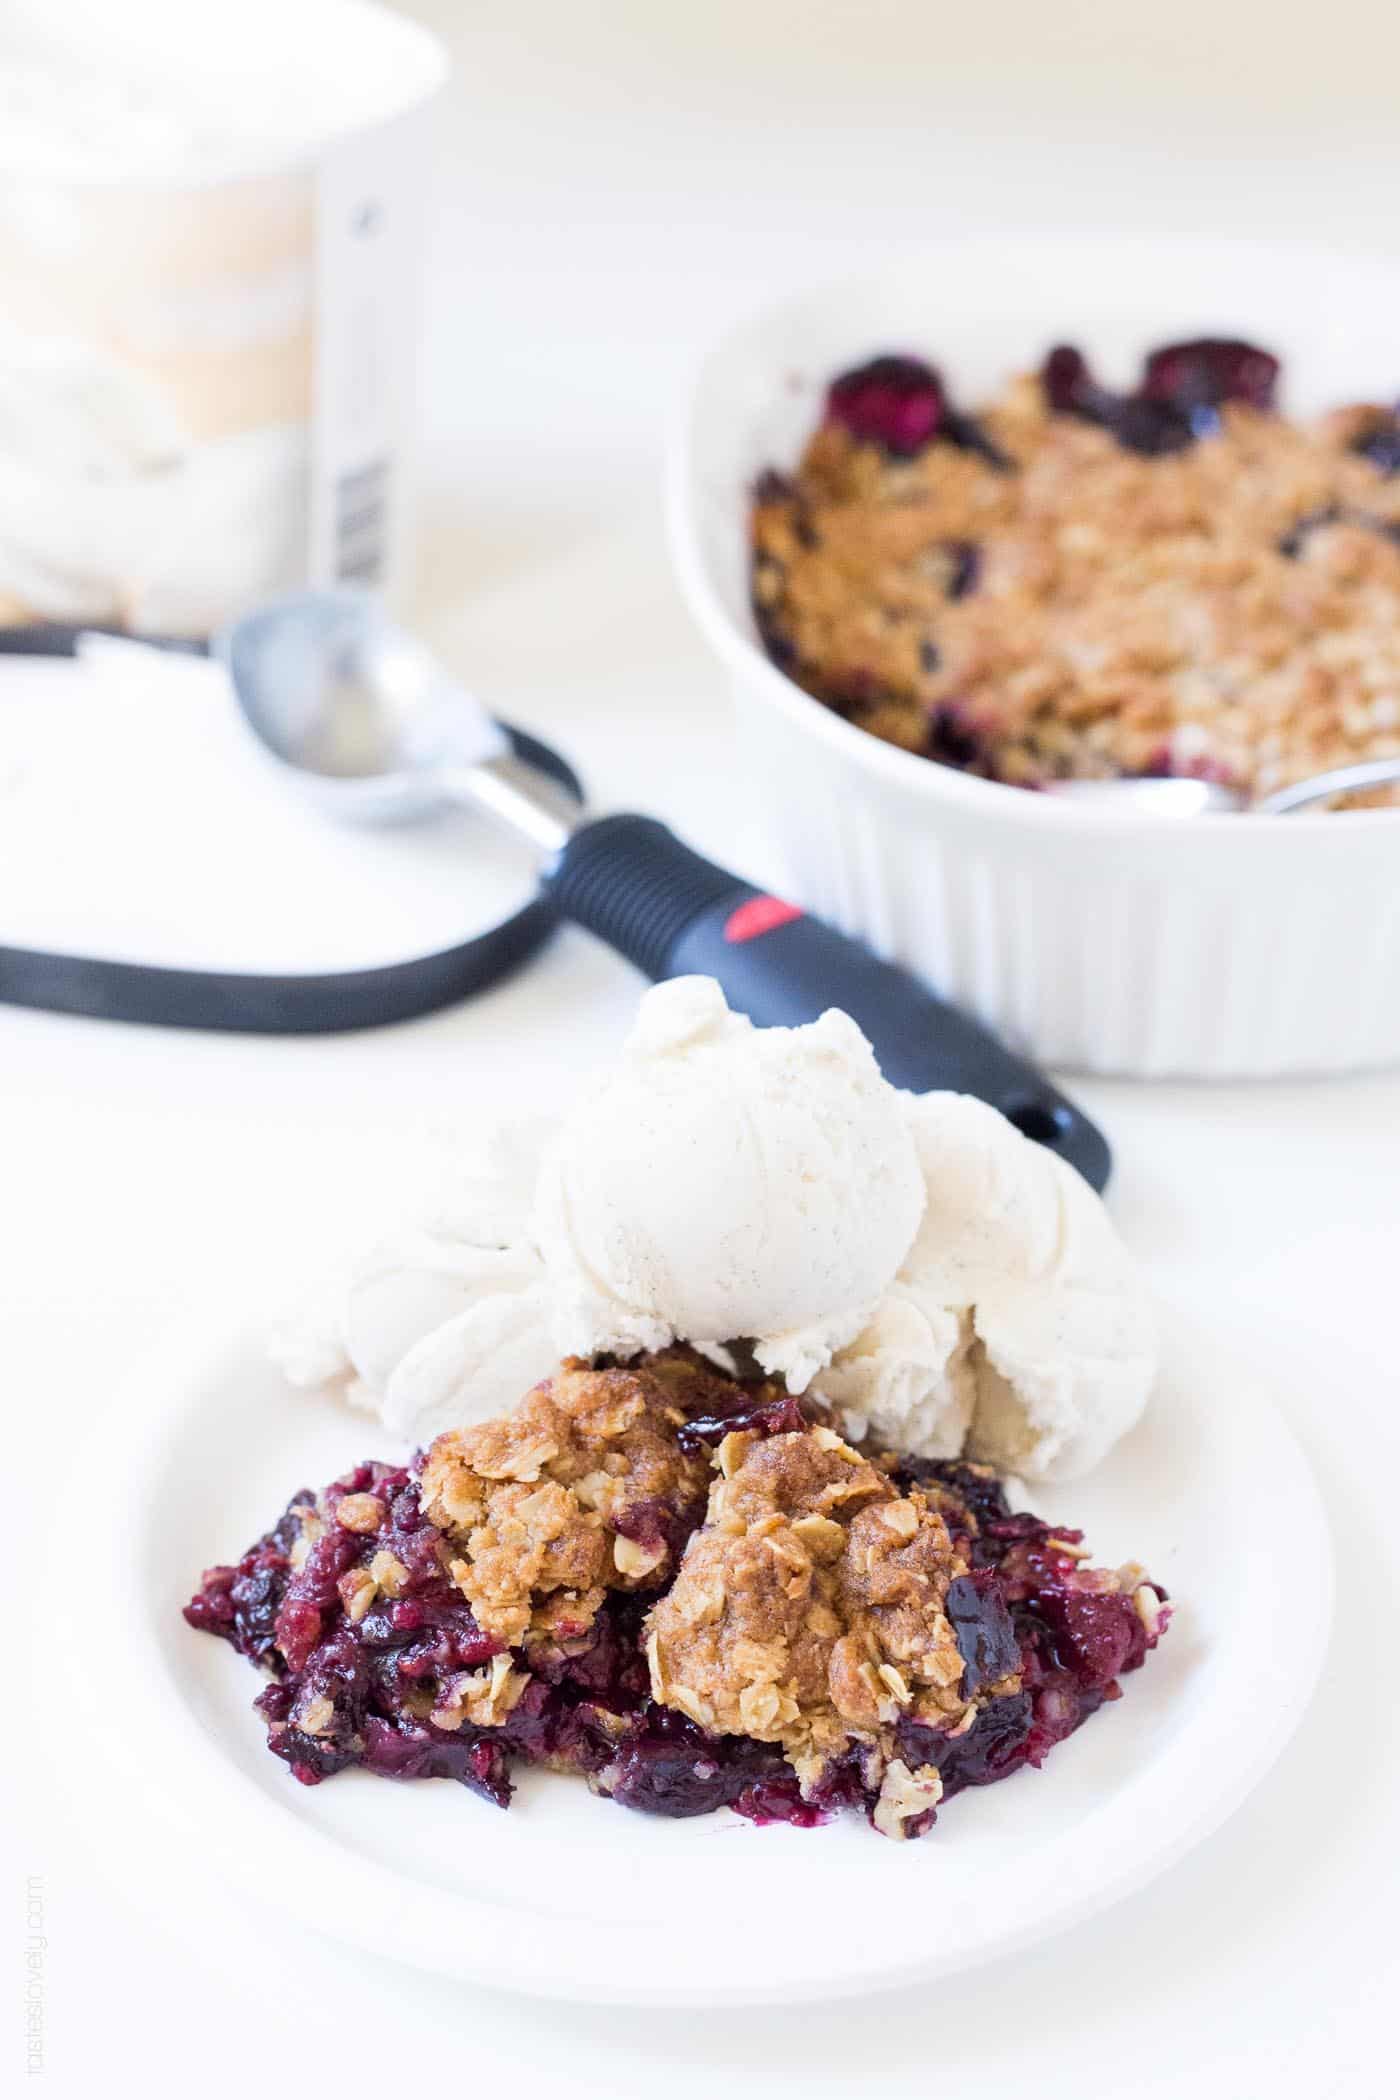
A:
[1166,797]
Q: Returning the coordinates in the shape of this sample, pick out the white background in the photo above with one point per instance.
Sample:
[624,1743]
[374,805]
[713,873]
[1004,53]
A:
[618,178]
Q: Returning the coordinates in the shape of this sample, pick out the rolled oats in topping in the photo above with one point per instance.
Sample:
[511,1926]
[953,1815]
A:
[580,1490]
[650,1577]
[1229,610]
[808,1610]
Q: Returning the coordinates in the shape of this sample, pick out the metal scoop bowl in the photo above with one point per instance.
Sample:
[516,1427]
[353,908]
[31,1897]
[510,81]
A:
[367,722]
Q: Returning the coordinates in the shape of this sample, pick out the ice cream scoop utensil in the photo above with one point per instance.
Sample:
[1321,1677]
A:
[363,717]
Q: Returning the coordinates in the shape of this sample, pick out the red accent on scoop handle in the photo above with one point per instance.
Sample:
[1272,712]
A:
[675,914]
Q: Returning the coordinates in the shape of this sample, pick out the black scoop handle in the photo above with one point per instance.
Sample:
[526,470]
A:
[632,882]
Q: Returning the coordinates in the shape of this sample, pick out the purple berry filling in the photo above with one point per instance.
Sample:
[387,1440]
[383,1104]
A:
[902,405]
[896,402]
[986,1637]
[952,740]
[1381,443]
[1209,371]
[966,559]
[1182,387]
[772,1417]
[369,1690]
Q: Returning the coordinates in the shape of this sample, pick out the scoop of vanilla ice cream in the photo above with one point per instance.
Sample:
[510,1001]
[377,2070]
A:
[947,1285]
[1017,1329]
[728,1183]
[446,1321]
[906,1376]
[479,1362]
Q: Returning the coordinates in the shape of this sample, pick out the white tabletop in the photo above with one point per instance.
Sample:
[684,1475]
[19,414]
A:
[143,1171]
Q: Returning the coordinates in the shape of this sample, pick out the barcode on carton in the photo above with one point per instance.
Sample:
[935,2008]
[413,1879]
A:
[361,504]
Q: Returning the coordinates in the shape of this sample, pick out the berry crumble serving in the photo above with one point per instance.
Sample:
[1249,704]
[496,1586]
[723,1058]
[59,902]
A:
[747,1544]
[688,1589]
[1075,583]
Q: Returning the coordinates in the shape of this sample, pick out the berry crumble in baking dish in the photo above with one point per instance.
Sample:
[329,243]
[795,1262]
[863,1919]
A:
[689,1590]
[1077,583]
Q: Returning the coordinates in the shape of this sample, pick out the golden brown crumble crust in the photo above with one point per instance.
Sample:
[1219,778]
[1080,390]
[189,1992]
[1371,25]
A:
[808,1610]
[770,1583]
[1129,614]
[570,1495]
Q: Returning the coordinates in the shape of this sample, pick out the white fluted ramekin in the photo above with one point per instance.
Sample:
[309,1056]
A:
[1226,946]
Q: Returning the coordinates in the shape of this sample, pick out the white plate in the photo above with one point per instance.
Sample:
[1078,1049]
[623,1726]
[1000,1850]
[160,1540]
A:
[568,1896]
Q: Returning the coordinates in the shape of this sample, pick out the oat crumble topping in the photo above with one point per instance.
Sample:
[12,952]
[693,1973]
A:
[808,1610]
[1052,604]
[584,1488]
[687,1589]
